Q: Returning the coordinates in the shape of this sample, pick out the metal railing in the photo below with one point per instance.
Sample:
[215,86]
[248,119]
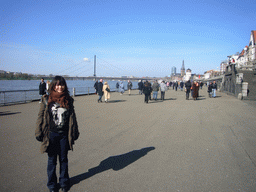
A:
[25,96]
[18,96]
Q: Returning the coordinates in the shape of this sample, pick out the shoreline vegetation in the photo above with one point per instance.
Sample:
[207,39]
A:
[24,76]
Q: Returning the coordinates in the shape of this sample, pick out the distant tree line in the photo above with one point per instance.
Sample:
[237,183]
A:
[24,76]
[18,76]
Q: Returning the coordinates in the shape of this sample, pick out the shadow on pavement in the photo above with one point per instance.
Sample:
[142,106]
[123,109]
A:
[200,98]
[8,113]
[114,162]
[168,99]
[152,101]
[116,101]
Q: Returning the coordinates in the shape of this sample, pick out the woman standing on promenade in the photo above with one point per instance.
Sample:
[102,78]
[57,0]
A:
[106,90]
[57,129]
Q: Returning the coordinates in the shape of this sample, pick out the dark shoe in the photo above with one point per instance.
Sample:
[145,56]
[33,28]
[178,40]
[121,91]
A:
[54,190]
[65,189]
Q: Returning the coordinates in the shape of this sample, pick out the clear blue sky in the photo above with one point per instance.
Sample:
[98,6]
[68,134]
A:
[140,38]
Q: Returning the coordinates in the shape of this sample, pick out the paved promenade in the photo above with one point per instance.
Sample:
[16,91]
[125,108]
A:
[129,146]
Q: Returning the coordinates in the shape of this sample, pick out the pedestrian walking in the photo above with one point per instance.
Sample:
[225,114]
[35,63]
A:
[146,91]
[96,87]
[42,89]
[163,88]
[155,89]
[181,85]
[149,97]
[129,86]
[48,86]
[117,86]
[140,85]
[167,84]
[188,87]
[214,89]
[57,129]
[201,85]
[176,86]
[121,88]
[100,92]
[210,89]
[106,90]
[195,88]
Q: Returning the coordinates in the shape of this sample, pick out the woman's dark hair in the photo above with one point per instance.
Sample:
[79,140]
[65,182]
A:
[58,80]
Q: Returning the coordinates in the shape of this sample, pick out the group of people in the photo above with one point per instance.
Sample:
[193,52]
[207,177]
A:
[101,90]
[147,89]
[190,87]
[43,88]
[212,87]
[57,127]
[120,87]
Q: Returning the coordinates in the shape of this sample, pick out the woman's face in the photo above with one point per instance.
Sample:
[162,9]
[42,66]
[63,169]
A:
[59,88]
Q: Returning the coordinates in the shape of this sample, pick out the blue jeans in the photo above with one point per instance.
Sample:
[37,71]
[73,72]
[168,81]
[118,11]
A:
[155,94]
[162,95]
[58,146]
[213,92]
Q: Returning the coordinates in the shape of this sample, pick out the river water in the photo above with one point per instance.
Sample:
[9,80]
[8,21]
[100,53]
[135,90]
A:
[27,90]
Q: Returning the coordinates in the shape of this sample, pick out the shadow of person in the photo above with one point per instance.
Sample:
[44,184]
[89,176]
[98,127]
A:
[116,101]
[8,113]
[114,162]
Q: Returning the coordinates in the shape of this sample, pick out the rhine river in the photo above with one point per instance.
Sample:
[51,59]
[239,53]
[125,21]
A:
[21,90]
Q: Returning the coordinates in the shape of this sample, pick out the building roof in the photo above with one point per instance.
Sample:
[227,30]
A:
[253,36]
[242,53]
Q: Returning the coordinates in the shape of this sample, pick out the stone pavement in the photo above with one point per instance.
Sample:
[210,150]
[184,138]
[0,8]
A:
[129,146]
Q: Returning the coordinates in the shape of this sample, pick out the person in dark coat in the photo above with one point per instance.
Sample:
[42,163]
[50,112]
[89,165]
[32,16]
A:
[146,91]
[140,85]
[155,89]
[210,89]
[100,92]
[117,86]
[150,85]
[181,85]
[214,88]
[129,86]
[96,87]
[188,87]
[42,89]
[195,88]
[201,85]
[176,86]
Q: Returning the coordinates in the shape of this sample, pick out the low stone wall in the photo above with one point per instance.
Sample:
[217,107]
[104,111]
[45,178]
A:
[240,83]
[250,78]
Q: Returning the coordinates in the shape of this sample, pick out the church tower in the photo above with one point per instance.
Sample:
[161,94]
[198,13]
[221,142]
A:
[182,70]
